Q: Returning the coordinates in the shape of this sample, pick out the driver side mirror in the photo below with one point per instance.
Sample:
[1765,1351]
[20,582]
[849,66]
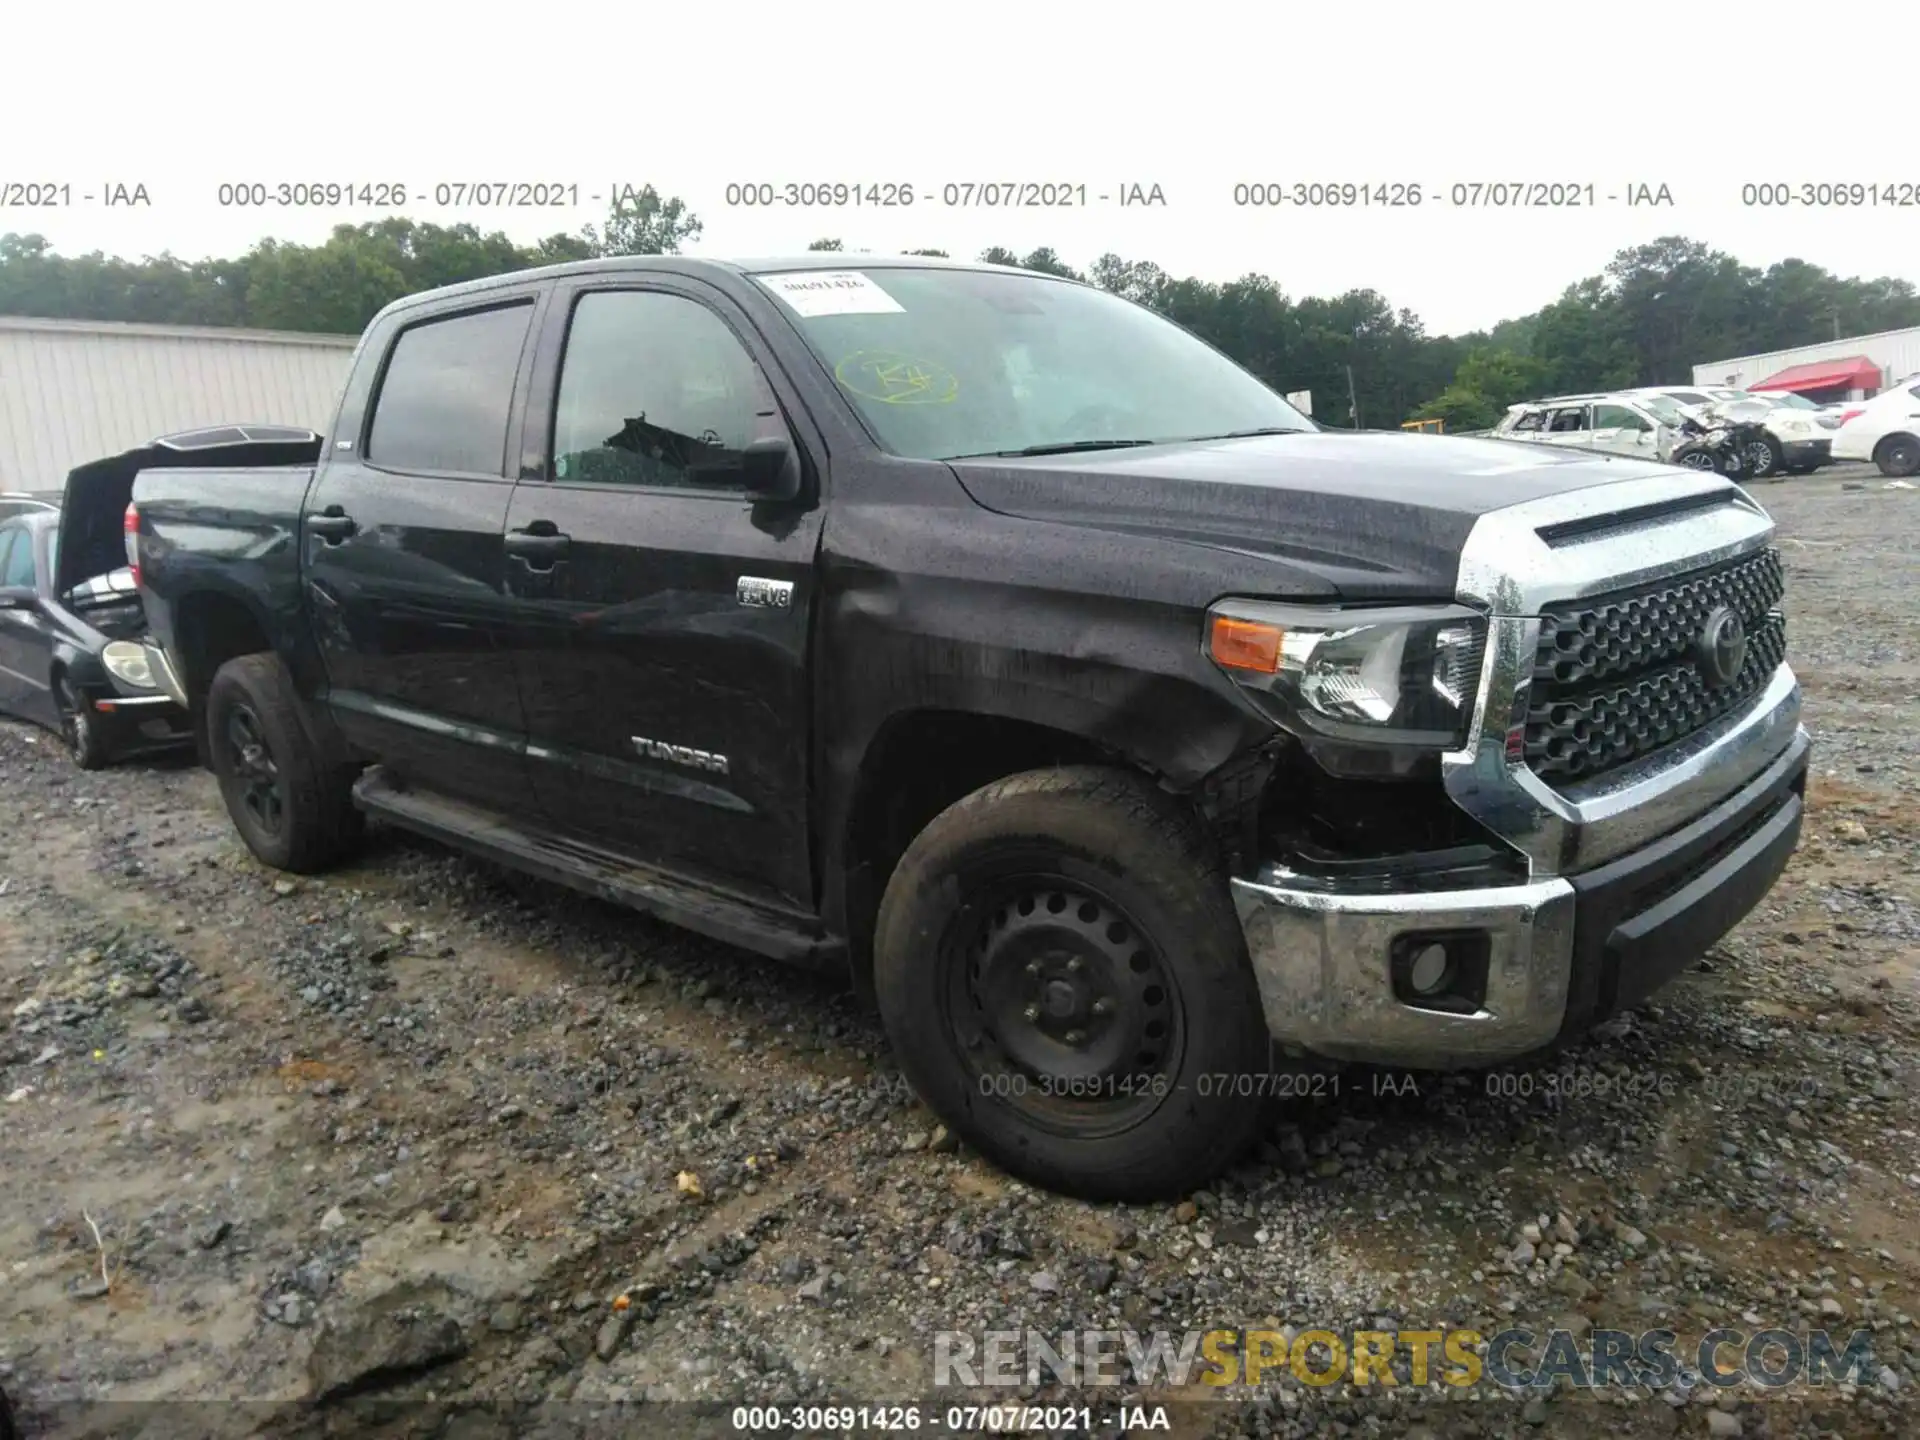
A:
[17,597]
[771,468]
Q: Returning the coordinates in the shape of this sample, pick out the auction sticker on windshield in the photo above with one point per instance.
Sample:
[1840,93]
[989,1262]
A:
[831,292]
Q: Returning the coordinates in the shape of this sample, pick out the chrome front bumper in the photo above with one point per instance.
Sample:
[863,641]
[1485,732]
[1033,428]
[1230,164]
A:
[1623,876]
[1321,960]
[1323,957]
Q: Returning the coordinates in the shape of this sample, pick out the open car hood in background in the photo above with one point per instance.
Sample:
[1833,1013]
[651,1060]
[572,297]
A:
[93,509]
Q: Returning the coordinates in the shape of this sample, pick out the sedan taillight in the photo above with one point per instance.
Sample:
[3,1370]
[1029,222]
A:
[1846,415]
[130,527]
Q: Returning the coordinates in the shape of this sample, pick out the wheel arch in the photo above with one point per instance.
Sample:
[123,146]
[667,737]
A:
[1882,445]
[209,628]
[917,764]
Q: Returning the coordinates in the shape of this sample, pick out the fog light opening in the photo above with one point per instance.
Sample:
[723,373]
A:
[1444,971]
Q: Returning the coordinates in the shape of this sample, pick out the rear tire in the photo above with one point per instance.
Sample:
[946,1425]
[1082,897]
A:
[1898,456]
[79,728]
[1065,983]
[294,810]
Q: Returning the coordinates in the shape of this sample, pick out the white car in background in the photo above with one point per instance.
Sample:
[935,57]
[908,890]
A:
[1885,430]
[1798,439]
[1615,424]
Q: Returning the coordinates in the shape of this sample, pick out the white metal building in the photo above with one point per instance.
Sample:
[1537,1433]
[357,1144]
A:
[77,390]
[1833,370]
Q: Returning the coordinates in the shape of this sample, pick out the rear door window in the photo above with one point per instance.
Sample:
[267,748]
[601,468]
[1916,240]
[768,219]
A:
[1571,419]
[447,394]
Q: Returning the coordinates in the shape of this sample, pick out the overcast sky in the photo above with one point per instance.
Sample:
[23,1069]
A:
[1192,98]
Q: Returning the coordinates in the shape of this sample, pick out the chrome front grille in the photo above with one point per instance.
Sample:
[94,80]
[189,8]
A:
[1618,677]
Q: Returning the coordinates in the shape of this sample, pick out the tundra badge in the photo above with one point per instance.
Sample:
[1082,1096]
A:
[764,594]
[681,755]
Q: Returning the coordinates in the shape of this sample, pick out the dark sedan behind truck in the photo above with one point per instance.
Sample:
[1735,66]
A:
[73,658]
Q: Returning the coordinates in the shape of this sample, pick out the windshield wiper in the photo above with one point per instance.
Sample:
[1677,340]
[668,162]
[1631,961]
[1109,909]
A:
[1060,447]
[1263,430]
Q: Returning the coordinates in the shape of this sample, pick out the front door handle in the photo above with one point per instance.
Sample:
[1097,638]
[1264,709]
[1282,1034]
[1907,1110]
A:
[332,524]
[540,546]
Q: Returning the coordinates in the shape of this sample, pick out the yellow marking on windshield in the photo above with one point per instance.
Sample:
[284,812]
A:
[895,379]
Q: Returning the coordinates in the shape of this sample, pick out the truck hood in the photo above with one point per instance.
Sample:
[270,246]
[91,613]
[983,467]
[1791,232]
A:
[1370,516]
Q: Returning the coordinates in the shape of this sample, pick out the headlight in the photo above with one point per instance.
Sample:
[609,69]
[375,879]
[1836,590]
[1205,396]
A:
[1404,677]
[1795,427]
[128,662]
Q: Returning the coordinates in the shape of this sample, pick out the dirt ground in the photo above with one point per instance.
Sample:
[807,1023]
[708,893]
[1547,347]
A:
[420,1147]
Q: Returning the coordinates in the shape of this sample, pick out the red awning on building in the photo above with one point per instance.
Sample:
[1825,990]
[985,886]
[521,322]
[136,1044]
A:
[1858,373]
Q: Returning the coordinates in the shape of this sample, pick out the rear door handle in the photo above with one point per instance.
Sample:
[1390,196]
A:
[540,546]
[332,524]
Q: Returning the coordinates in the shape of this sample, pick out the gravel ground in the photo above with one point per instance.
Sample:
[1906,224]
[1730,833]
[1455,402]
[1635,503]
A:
[521,1149]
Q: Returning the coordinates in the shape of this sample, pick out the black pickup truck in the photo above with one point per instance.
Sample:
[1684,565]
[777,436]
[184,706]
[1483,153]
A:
[1125,735]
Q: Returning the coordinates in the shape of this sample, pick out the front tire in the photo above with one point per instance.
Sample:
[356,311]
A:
[1763,458]
[294,810]
[1696,458]
[1065,983]
[78,727]
[1898,456]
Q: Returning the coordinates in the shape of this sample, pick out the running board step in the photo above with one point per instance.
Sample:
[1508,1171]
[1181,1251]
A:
[780,935]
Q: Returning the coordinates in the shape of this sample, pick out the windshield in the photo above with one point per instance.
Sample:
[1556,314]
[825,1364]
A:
[1788,399]
[1666,410]
[949,363]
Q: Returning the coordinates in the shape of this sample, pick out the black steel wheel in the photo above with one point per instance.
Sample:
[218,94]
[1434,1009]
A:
[1058,1000]
[1065,983]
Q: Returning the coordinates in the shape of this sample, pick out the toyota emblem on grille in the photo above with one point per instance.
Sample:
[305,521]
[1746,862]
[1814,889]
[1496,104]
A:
[1723,647]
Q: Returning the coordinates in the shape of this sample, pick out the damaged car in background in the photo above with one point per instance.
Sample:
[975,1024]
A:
[1665,424]
[73,656]
[1787,434]
[75,653]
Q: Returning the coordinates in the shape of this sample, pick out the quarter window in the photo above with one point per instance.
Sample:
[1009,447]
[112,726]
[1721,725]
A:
[656,390]
[448,391]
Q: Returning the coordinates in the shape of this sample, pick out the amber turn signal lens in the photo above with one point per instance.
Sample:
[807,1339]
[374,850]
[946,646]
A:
[1246,645]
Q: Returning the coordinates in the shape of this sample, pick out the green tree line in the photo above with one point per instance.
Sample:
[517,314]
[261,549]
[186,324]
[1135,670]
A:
[1655,310]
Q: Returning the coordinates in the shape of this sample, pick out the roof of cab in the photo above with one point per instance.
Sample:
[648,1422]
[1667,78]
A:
[697,265]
